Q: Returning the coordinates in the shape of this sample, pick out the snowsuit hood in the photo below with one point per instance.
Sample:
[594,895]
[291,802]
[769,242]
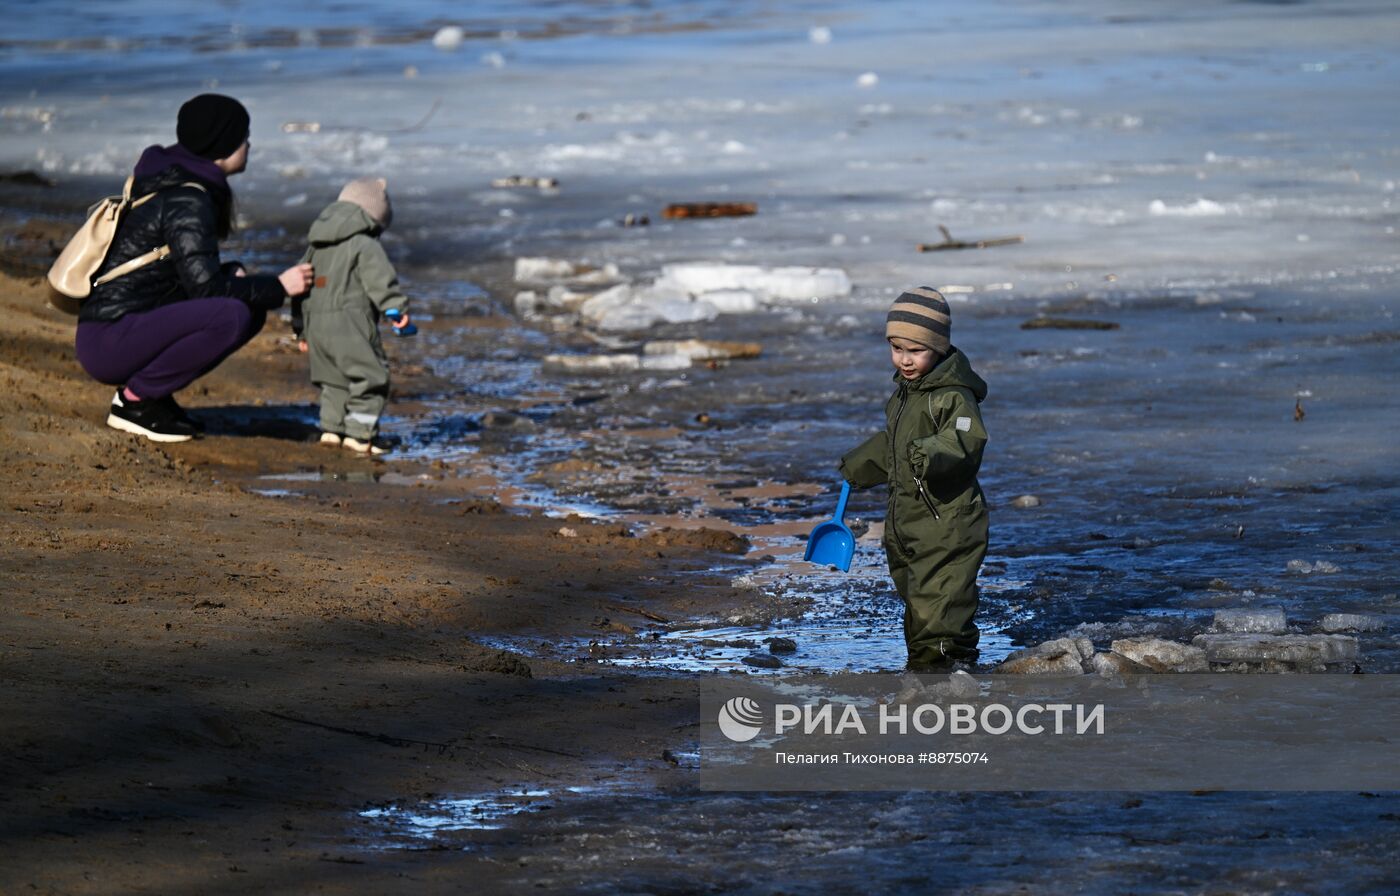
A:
[338,222]
[954,370]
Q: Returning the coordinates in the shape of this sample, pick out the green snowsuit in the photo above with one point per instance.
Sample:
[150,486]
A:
[355,283]
[936,525]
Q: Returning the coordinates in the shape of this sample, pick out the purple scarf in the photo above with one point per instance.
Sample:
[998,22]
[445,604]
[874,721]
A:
[156,159]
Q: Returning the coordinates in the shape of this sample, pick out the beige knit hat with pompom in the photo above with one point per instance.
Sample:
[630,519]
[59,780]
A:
[372,195]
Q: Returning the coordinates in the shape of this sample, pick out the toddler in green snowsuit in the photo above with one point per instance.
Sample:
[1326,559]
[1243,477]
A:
[355,284]
[929,453]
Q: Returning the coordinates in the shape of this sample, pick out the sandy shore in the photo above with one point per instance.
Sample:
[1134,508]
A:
[202,685]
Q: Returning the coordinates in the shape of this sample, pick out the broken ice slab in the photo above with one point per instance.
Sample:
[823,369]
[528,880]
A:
[1351,622]
[611,364]
[1303,567]
[732,301]
[774,284]
[1161,655]
[1278,653]
[625,308]
[591,363]
[533,270]
[1062,656]
[1112,664]
[933,688]
[558,300]
[703,349]
[1271,621]
[546,270]
[710,210]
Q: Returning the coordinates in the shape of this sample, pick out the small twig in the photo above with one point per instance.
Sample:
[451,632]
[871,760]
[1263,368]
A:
[709,210]
[388,739]
[421,122]
[950,243]
[652,616]
[496,741]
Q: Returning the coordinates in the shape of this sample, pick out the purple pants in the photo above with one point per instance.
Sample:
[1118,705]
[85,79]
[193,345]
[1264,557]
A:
[159,352]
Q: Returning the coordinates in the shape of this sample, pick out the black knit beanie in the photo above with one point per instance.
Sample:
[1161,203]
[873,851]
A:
[212,126]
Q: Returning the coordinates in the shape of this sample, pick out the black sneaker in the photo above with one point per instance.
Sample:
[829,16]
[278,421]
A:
[152,419]
[182,415]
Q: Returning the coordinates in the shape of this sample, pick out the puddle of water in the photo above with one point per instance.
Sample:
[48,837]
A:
[410,826]
[473,813]
[275,492]
[325,476]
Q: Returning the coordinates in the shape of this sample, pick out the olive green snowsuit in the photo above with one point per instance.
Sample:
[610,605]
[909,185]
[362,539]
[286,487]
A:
[936,525]
[355,283]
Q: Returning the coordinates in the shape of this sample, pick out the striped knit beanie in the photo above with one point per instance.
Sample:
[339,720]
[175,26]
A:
[921,315]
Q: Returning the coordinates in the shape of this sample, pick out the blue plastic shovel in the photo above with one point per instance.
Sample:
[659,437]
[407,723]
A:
[832,543]
[395,315]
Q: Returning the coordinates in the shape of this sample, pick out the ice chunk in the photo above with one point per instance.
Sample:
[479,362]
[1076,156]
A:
[776,284]
[576,364]
[819,34]
[583,276]
[1265,621]
[1162,656]
[527,303]
[867,80]
[1062,656]
[643,315]
[732,301]
[666,362]
[1303,567]
[1112,664]
[448,38]
[533,270]
[1278,653]
[1201,208]
[959,685]
[607,300]
[625,307]
[1351,622]
[561,298]
[703,350]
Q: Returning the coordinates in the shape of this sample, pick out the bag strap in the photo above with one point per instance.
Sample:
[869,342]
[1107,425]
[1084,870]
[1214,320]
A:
[126,193]
[156,254]
[130,265]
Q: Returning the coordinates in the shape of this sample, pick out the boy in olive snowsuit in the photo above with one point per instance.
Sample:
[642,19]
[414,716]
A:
[355,284]
[929,453]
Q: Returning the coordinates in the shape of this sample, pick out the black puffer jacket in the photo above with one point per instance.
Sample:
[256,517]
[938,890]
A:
[184,218]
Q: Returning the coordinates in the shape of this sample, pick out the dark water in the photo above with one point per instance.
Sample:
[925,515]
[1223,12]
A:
[1173,475]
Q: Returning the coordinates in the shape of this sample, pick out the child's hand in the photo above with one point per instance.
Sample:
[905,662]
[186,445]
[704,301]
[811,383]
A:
[400,321]
[302,346]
